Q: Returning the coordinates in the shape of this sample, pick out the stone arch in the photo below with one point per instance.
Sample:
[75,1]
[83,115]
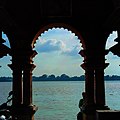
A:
[69,46]
[67,27]
[59,25]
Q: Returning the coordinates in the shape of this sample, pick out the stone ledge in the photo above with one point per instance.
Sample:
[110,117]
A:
[107,114]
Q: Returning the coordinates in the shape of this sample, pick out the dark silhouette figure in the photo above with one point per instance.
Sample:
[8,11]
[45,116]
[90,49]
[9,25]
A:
[81,104]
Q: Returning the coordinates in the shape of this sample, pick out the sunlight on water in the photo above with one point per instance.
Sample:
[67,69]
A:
[5,88]
[113,94]
[59,100]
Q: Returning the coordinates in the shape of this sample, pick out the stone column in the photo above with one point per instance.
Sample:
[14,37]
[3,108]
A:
[88,108]
[99,82]
[27,84]
[28,108]
[100,88]
[22,89]
[89,82]
[17,85]
[89,87]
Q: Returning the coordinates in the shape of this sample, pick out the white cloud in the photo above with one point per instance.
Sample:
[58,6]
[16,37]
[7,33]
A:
[72,52]
[47,46]
[111,56]
[53,45]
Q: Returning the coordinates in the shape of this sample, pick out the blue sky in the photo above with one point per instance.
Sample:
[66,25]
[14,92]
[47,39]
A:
[58,53]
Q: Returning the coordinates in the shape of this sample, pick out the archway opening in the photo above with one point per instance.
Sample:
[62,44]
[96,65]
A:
[58,68]
[5,72]
[57,46]
[112,75]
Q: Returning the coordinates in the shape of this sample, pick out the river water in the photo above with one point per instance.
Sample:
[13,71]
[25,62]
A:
[58,100]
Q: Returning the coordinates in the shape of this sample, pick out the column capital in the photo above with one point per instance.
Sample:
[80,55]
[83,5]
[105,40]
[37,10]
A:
[101,66]
[29,67]
[84,53]
[31,53]
[87,66]
[15,67]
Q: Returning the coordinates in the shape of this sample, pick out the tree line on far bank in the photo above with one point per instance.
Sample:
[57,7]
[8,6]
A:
[62,77]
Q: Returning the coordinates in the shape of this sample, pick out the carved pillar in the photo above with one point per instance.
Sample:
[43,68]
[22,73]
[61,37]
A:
[27,78]
[27,87]
[89,82]
[17,82]
[17,85]
[100,89]
[99,80]
[22,89]
[27,84]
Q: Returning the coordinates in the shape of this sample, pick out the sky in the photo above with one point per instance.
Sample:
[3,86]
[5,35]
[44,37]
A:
[58,51]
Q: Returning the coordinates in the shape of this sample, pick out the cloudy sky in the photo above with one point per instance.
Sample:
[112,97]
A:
[58,53]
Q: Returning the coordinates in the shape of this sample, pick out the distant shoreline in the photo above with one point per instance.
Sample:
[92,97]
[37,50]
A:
[63,77]
[59,81]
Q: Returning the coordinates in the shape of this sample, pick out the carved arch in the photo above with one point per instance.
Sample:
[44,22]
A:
[59,25]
